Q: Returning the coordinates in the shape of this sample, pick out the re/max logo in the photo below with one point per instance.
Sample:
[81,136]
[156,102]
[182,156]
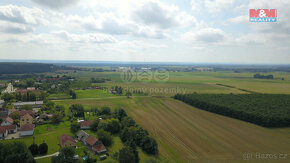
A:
[263,15]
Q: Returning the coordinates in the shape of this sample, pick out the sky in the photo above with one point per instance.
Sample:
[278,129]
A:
[197,31]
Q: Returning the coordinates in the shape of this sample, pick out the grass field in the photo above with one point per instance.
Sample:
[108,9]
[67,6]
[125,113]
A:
[200,82]
[187,134]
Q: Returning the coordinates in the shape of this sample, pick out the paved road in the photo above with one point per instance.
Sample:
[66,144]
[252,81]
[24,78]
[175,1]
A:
[40,157]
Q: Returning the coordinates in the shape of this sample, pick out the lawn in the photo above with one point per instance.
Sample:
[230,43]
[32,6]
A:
[93,93]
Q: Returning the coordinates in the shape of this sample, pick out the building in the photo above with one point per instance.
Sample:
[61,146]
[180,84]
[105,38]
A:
[7,121]
[23,112]
[67,141]
[11,128]
[34,104]
[27,130]
[9,89]
[3,132]
[11,111]
[82,136]
[86,124]
[26,119]
[91,142]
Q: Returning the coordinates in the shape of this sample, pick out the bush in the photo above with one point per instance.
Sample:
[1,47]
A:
[33,149]
[104,137]
[43,148]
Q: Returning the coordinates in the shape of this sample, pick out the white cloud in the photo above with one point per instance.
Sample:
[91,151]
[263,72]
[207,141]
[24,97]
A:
[22,15]
[55,4]
[14,28]
[214,6]
[160,15]
[206,35]
[239,19]
[91,38]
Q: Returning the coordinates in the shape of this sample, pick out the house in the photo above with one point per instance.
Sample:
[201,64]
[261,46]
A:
[11,128]
[99,147]
[34,104]
[86,124]
[23,112]
[7,121]
[27,130]
[11,111]
[26,119]
[3,132]
[9,89]
[94,144]
[67,141]
[82,136]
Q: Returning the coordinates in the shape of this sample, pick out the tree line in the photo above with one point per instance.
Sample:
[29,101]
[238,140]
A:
[268,110]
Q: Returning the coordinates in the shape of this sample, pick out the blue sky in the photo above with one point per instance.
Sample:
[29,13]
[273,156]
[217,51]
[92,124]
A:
[199,31]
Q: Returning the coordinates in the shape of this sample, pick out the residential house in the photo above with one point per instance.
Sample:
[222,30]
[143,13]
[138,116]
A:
[27,130]
[3,132]
[11,111]
[94,144]
[86,124]
[23,112]
[11,128]
[7,121]
[26,119]
[82,136]
[67,141]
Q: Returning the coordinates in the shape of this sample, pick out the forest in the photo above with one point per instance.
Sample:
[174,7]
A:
[268,110]
[19,68]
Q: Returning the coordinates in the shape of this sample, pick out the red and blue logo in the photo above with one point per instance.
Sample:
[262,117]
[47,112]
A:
[263,15]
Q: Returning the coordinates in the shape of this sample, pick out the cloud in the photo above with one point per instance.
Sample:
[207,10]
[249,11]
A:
[206,35]
[160,15]
[22,15]
[14,28]
[91,38]
[214,6]
[239,19]
[55,4]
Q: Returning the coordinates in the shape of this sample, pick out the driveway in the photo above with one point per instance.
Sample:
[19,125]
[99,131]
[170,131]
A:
[40,157]
[15,135]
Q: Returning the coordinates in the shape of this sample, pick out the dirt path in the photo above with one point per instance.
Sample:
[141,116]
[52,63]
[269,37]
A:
[40,157]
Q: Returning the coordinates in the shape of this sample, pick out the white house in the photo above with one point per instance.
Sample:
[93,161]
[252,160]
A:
[7,121]
[3,132]
[11,128]
[27,130]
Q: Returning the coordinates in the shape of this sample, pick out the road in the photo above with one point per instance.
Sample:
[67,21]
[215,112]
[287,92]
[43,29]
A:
[40,157]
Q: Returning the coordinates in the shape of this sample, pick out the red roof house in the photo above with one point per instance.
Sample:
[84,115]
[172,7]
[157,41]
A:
[86,124]
[67,141]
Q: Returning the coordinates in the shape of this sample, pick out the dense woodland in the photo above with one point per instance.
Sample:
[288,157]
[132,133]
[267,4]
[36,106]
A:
[269,110]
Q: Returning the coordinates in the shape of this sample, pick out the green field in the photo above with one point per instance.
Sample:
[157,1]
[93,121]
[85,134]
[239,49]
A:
[200,82]
[186,134]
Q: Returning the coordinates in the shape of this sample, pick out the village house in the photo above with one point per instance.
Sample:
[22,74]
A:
[3,132]
[1,103]
[27,130]
[94,144]
[86,124]
[3,114]
[23,112]
[7,121]
[67,141]
[11,128]
[26,119]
